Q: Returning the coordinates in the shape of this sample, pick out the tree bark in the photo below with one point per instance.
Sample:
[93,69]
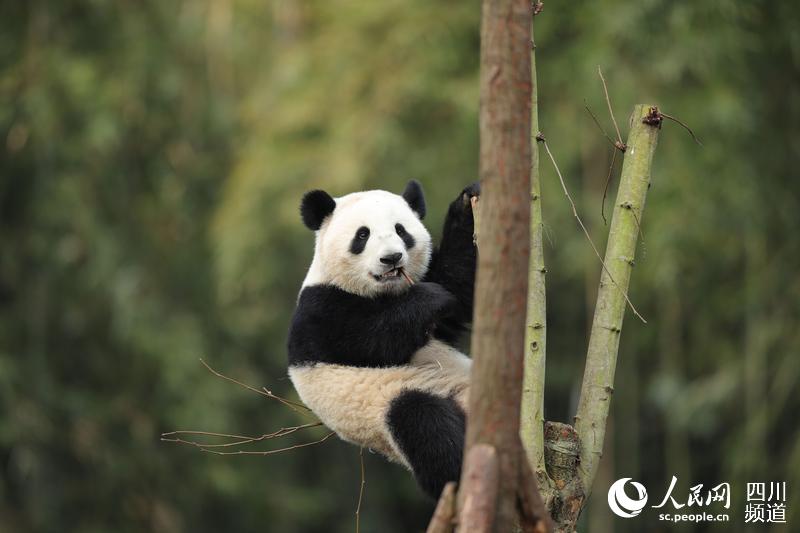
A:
[502,280]
[479,486]
[601,358]
[534,516]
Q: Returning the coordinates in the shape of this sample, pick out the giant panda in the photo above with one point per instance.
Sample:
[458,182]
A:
[372,341]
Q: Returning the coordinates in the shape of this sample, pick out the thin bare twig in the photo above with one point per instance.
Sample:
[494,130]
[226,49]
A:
[608,101]
[548,233]
[684,125]
[294,406]
[640,231]
[360,490]
[270,452]
[240,439]
[586,232]
[287,403]
[605,189]
[406,276]
[618,144]
[603,131]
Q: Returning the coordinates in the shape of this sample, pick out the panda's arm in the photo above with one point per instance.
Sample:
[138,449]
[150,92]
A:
[334,326]
[453,264]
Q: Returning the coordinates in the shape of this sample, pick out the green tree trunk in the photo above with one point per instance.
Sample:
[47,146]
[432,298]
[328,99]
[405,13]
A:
[601,357]
[532,421]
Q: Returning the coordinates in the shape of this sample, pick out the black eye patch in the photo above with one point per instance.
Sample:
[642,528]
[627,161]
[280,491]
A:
[408,240]
[359,241]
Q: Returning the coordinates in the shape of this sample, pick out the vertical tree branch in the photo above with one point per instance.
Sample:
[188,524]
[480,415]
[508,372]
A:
[532,420]
[601,357]
[502,281]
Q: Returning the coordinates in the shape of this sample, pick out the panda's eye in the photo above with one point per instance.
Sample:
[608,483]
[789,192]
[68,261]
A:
[403,234]
[359,242]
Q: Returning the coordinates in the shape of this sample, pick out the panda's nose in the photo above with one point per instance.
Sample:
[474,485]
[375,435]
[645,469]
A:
[391,259]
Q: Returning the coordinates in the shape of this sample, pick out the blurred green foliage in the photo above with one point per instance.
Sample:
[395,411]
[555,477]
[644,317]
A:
[153,155]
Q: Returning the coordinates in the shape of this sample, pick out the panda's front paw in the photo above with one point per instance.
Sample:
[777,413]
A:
[471,191]
[464,201]
[460,212]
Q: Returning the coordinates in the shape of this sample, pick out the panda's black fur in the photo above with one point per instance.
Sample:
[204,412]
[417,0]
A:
[430,430]
[332,326]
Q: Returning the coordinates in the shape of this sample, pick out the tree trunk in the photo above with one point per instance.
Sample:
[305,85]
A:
[502,281]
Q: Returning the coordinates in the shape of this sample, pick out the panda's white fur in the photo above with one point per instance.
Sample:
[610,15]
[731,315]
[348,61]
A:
[355,400]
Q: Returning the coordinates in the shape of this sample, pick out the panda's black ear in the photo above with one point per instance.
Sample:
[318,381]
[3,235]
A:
[316,205]
[415,198]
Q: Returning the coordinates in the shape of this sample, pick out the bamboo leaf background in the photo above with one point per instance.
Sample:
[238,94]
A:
[152,159]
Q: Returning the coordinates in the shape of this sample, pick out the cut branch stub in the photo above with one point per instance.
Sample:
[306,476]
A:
[562,455]
[601,357]
[561,452]
[443,519]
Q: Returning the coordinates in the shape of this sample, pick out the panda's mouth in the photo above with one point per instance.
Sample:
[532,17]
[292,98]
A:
[394,274]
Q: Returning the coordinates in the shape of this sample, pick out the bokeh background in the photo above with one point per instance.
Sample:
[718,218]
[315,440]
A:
[152,157]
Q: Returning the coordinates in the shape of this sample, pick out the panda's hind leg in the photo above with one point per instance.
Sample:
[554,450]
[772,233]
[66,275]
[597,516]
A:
[429,430]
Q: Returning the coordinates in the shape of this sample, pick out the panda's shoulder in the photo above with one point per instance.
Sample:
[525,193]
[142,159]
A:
[322,292]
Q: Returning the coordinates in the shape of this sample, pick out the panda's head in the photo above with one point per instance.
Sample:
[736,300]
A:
[364,239]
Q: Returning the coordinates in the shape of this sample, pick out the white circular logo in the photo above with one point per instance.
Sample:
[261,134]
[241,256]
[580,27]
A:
[619,502]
